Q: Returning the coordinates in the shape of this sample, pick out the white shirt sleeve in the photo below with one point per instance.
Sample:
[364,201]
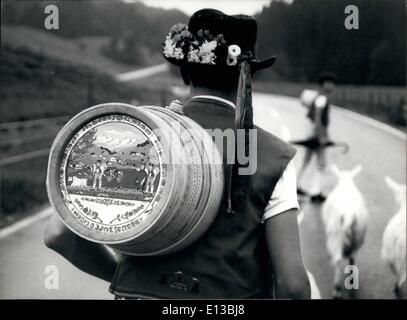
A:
[284,196]
[320,102]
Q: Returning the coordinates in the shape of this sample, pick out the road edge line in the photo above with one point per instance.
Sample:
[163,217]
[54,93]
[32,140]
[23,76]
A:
[26,222]
[142,73]
[374,123]
[361,117]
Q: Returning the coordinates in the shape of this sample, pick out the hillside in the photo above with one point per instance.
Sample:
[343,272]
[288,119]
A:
[132,32]
[79,51]
[36,86]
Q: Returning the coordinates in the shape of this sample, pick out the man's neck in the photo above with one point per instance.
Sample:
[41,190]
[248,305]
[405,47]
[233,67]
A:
[228,95]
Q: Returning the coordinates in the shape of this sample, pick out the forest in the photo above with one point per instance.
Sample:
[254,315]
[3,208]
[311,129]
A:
[308,36]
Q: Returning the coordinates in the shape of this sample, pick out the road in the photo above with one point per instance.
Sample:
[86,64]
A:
[142,73]
[380,150]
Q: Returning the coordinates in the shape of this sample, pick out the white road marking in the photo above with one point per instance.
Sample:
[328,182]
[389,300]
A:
[20,140]
[25,156]
[26,222]
[30,123]
[374,123]
[142,73]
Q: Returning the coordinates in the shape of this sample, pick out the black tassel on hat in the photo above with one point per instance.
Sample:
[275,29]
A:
[238,185]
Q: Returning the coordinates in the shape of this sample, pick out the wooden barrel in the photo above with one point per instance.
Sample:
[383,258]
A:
[143,180]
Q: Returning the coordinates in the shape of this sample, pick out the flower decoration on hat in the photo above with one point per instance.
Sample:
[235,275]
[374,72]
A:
[202,47]
[233,53]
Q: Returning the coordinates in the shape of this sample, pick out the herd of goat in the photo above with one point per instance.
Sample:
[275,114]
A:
[345,219]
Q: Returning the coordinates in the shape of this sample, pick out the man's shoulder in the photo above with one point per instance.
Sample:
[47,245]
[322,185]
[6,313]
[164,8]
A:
[273,156]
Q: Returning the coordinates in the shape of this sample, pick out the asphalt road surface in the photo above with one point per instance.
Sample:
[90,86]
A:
[26,263]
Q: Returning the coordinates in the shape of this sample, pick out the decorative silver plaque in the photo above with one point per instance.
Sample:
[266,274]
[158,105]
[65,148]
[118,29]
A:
[112,173]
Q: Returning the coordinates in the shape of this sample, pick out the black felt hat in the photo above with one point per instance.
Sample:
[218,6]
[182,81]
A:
[326,76]
[240,30]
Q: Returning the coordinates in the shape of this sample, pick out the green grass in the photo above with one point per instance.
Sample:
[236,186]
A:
[23,186]
[81,51]
[35,86]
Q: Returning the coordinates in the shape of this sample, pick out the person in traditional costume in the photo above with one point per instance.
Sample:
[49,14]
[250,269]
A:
[252,248]
[98,172]
[318,140]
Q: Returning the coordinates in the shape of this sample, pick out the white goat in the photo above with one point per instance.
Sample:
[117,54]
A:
[345,219]
[394,239]
[79,182]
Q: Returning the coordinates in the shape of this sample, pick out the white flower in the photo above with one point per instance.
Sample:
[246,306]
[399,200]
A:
[206,52]
[193,55]
[169,47]
[208,47]
[234,51]
[178,54]
[231,61]
[208,58]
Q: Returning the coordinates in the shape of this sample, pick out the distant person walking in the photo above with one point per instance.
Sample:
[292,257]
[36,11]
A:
[139,177]
[151,174]
[98,170]
[318,114]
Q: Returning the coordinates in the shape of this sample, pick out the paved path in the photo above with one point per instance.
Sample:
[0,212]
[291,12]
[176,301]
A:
[26,263]
[380,150]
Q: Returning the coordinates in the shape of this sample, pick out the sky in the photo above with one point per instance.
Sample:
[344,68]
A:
[248,7]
